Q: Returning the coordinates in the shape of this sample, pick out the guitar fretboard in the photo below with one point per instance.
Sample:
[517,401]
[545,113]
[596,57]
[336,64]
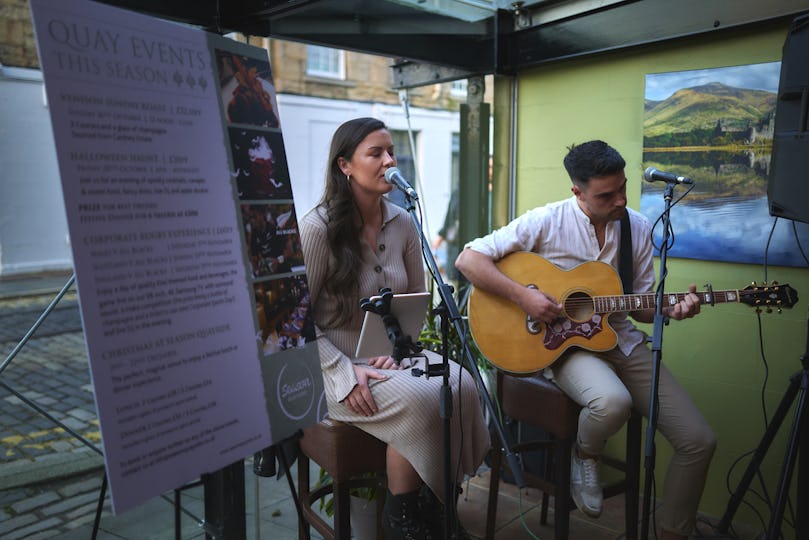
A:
[633,302]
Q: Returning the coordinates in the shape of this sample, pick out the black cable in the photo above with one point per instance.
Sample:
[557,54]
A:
[798,241]
[660,217]
[767,247]
[765,497]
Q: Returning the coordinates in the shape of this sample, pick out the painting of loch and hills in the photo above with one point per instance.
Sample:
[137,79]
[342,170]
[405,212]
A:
[716,127]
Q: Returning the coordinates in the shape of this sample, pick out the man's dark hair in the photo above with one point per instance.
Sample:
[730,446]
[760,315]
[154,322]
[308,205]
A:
[592,159]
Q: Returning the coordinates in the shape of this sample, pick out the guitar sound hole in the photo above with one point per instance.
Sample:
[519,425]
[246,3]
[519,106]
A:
[579,307]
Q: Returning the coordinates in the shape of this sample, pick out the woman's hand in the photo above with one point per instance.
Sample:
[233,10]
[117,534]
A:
[383,362]
[360,400]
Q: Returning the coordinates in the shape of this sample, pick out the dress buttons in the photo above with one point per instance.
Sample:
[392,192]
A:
[378,269]
[381,247]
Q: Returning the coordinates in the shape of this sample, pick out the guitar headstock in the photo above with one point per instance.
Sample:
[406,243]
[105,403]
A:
[769,297]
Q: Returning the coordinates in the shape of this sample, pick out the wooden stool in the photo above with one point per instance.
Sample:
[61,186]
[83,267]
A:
[347,454]
[538,402]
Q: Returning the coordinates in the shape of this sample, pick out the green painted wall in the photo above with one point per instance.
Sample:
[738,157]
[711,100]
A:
[716,355]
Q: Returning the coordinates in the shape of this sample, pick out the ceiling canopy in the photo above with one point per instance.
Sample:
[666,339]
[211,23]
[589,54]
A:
[473,37]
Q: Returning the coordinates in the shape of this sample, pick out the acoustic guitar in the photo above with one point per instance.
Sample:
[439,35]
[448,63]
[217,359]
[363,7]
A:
[589,293]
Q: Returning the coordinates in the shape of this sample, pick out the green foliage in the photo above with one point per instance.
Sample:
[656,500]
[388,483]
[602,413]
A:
[327,502]
[695,138]
[431,337]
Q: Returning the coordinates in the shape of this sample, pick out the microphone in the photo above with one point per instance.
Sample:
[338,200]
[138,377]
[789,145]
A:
[653,175]
[394,177]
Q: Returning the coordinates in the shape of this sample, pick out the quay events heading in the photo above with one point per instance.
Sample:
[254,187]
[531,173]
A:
[126,56]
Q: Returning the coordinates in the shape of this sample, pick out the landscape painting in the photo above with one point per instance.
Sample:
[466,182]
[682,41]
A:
[716,127]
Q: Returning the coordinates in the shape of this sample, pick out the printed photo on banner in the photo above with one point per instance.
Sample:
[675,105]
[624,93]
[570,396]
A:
[248,93]
[260,165]
[284,317]
[272,238]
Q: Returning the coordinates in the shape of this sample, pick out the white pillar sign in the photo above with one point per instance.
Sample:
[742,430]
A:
[184,241]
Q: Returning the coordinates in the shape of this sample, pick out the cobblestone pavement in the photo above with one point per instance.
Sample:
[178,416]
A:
[49,479]
[51,370]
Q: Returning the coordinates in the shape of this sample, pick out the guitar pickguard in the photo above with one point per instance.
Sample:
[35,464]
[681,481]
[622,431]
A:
[557,333]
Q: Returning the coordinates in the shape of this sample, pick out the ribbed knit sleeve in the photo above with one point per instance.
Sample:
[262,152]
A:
[338,372]
[394,263]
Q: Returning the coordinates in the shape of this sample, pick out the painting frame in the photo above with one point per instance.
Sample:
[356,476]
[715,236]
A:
[716,126]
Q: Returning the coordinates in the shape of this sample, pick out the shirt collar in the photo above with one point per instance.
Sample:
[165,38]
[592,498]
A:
[579,213]
[388,214]
[584,219]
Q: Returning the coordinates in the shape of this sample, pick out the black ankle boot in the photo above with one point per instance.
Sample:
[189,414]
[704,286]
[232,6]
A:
[433,511]
[435,516]
[402,518]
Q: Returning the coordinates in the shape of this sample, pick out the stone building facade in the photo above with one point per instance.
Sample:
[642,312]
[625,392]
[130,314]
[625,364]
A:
[17,45]
[368,78]
[311,106]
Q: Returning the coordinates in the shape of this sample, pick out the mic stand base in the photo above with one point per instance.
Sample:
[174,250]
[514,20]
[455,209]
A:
[451,313]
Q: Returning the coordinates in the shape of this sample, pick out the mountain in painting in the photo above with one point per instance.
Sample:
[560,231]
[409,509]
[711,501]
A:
[714,108]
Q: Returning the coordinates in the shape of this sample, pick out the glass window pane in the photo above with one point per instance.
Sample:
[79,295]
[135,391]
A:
[325,62]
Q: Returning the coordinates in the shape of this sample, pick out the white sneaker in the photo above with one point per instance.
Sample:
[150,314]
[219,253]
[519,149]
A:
[584,486]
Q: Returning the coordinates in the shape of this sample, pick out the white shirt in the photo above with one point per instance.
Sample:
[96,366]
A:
[563,234]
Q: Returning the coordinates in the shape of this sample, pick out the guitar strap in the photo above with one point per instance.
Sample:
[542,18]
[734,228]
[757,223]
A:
[625,255]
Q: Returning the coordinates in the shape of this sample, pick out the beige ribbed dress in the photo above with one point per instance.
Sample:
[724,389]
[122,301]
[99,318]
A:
[408,416]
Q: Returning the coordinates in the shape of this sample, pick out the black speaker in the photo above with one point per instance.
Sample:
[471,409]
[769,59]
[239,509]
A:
[788,186]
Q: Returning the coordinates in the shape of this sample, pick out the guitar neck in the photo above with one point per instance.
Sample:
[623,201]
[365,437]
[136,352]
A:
[634,302]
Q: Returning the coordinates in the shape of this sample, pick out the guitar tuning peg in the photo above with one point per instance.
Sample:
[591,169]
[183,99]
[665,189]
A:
[779,310]
[774,283]
[769,310]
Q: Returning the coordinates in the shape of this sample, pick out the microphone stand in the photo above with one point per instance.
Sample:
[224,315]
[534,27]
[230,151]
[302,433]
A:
[449,312]
[657,355]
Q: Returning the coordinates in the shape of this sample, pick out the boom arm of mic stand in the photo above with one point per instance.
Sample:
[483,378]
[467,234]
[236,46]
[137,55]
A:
[455,317]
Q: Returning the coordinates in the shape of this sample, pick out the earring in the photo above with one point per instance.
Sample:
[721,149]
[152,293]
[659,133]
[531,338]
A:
[348,178]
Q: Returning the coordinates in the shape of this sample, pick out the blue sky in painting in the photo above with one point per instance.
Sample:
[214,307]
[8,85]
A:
[659,86]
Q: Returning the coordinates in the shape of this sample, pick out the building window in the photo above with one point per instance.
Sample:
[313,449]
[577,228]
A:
[325,62]
[404,162]
[458,88]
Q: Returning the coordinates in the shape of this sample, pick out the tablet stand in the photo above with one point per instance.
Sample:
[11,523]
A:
[403,346]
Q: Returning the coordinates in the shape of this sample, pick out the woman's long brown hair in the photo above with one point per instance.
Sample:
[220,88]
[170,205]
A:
[343,227]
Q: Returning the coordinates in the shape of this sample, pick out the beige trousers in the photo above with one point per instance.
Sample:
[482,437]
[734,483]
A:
[607,385]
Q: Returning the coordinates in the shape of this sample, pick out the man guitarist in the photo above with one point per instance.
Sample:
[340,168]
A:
[583,228]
